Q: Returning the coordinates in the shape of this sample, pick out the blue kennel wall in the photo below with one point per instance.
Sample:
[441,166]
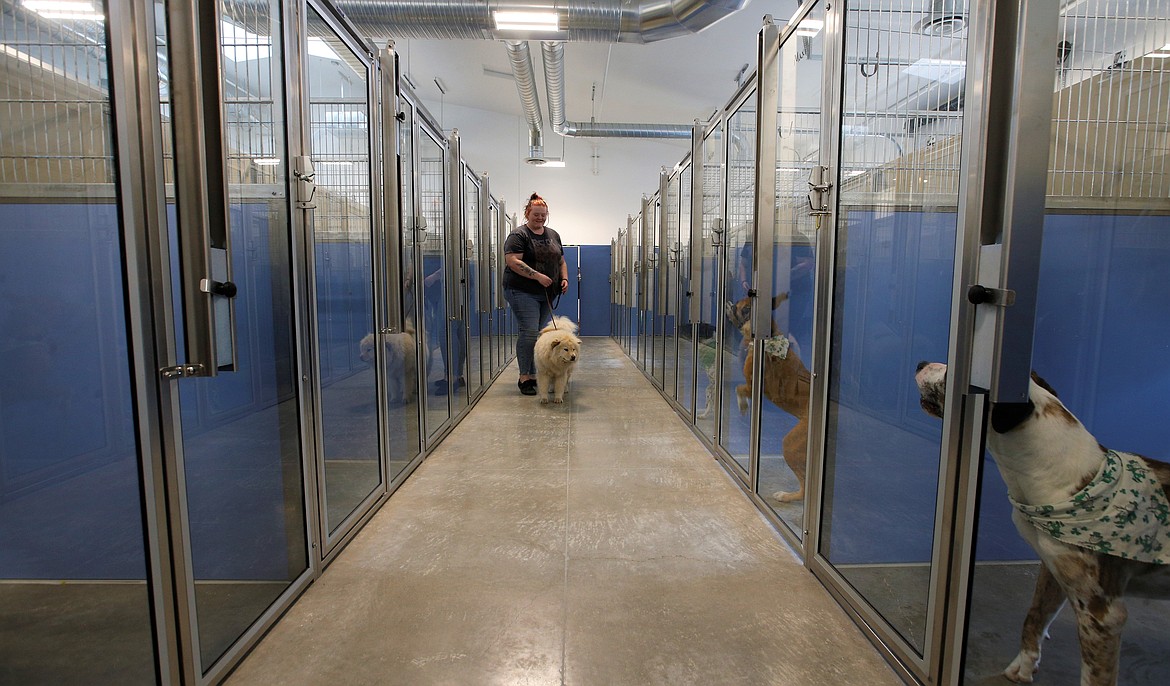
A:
[892,309]
[68,447]
[1102,340]
[568,305]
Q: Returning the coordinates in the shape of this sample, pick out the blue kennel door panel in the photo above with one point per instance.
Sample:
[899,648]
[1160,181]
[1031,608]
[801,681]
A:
[595,314]
[567,306]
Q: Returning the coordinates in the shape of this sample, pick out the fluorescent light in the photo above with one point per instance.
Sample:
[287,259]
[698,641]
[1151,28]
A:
[944,71]
[553,163]
[266,161]
[1161,53]
[319,48]
[64,9]
[526,21]
[809,27]
[58,5]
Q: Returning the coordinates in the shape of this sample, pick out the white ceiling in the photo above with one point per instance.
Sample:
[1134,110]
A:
[672,81]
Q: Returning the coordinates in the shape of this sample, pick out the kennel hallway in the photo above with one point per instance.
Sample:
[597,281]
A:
[596,542]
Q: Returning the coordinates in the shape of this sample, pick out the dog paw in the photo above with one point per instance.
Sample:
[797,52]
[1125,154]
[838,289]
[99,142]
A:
[558,400]
[544,401]
[786,497]
[1023,667]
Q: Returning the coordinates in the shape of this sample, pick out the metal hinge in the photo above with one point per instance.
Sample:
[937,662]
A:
[181,371]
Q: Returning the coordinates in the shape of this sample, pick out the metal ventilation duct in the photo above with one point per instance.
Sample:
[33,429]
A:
[597,21]
[553,53]
[521,60]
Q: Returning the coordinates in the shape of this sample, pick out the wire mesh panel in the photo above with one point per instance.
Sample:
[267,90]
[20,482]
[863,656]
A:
[251,115]
[1111,114]
[904,76]
[54,99]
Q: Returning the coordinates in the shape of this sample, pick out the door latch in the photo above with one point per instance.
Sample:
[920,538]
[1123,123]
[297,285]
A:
[818,194]
[306,187]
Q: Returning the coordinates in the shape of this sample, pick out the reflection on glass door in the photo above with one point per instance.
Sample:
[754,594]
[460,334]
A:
[711,262]
[786,384]
[477,352]
[670,252]
[657,260]
[339,144]
[403,422]
[895,247]
[433,253]
[73,563]
[686,339]
[735,424]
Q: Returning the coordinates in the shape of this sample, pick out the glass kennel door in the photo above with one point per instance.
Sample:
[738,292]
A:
[893,258]
[1101,316]
[338,91]
[788,235]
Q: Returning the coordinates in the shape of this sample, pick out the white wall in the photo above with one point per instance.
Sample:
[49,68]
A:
[585,208]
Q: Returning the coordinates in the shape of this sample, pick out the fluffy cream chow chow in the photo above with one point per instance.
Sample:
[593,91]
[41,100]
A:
[401,367]
[557,350]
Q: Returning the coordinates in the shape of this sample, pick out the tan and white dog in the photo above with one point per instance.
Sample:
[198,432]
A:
[1091,555]
[786,382]
[556,353]
[401,364]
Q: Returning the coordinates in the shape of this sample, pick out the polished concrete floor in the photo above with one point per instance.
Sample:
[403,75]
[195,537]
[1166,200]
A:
[591,543]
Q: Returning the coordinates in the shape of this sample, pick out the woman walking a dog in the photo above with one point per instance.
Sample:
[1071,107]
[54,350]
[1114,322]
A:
[535,273]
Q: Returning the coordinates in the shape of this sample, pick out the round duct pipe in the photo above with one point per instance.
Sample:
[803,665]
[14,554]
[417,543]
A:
[945,18]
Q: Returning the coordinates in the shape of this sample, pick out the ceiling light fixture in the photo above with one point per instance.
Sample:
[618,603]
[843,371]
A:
[809,27]
[526,21]
[1161,53]
[64,9]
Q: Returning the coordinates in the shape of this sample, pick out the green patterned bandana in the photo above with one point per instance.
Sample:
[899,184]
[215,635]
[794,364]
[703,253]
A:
[777,346]
[1123,511]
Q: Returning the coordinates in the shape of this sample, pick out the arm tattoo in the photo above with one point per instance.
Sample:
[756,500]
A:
[525,269]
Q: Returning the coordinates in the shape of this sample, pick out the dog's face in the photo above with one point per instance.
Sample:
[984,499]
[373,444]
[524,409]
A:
[739,313]
[366,349]
[931,378]
[564,349]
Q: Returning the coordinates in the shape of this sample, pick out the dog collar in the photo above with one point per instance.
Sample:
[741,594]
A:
[1123,512]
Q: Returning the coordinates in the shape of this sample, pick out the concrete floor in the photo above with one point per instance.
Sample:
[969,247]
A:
[595,542]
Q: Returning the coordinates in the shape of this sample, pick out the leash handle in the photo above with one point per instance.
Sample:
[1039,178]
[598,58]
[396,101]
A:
[552,307]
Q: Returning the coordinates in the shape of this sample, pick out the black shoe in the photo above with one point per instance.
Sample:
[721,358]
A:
[527,387]
[459,383]
[439,387]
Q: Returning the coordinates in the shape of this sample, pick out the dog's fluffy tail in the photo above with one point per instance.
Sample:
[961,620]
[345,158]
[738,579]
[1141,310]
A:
[560,323]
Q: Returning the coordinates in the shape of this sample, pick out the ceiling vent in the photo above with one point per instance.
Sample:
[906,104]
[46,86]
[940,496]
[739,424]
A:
[945,18]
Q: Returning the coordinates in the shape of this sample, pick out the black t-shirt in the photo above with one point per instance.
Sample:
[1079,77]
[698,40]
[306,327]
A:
[543,253]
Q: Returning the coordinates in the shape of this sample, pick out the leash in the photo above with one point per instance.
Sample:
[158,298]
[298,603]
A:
[552,306]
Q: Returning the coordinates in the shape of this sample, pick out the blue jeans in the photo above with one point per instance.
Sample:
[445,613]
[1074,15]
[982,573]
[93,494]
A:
[532,313]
